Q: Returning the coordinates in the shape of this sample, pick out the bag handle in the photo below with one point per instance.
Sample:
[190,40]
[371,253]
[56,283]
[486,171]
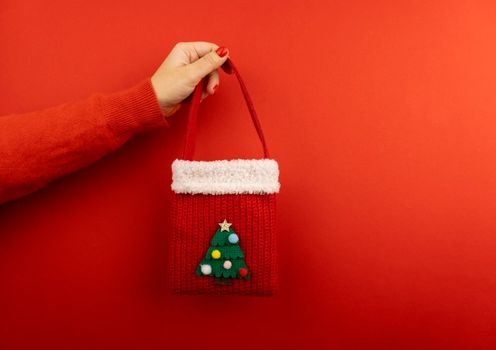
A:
[189,148]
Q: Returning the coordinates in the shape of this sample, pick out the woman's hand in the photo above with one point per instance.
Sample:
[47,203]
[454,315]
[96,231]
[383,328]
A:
[183,69]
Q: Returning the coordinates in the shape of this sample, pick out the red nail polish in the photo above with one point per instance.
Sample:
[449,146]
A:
[215,88]
[222,51]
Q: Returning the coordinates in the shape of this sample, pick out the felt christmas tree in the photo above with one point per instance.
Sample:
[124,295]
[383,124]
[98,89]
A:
[224,258]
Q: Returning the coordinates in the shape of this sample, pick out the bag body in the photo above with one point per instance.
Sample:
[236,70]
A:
[223,238]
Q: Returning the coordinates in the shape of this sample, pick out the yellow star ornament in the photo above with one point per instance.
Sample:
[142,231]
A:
[224,226]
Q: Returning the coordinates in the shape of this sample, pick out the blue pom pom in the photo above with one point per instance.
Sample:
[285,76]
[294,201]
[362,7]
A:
[233,238]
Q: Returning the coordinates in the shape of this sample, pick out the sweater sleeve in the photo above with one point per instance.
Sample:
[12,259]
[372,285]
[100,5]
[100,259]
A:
[38,147]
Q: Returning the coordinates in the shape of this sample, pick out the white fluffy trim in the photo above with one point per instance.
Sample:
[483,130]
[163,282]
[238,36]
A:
[255,176]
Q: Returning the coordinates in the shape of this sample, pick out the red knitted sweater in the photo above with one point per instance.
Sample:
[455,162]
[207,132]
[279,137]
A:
[37,147]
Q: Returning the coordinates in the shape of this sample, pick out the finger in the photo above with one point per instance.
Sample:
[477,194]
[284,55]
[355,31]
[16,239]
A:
[213,82]
[189,52]
[211,86]
[202,47]
[205,65]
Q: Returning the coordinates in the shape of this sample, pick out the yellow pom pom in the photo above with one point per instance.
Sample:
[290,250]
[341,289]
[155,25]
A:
[216,254]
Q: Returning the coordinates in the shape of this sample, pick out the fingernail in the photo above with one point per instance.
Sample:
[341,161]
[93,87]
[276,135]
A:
[222,51]
[215,88]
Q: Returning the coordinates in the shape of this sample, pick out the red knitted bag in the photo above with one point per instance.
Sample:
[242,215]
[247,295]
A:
[224,217]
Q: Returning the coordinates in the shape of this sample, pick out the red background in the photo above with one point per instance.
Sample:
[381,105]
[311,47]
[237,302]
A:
[382,116]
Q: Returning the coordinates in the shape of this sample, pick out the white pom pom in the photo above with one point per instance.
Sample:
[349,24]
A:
[206,269]
[227,264]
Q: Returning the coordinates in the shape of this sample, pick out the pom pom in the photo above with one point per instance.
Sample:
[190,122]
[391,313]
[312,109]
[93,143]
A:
[206,269]
[216,254]
[233,238]
[243,272]
[227,264]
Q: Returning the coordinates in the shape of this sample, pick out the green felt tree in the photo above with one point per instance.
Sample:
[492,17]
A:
[224,258]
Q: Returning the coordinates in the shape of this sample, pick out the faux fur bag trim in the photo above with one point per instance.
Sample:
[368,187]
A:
[236,176]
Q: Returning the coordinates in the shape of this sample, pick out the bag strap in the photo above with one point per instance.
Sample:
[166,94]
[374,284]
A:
[189,148]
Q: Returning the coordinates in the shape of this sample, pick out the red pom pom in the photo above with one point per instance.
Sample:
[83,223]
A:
[243,272]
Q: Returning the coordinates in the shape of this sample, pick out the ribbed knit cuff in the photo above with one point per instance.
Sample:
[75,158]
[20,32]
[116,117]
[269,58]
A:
[133,110]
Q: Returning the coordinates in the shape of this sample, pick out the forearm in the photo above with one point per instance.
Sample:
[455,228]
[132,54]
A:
[38,147]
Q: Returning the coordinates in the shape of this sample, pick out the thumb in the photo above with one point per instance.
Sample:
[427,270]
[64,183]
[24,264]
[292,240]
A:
[207,64]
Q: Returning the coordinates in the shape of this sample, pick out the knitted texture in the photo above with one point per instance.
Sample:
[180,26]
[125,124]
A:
[240,191]
[38,147]
[224,258]
[195,217]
